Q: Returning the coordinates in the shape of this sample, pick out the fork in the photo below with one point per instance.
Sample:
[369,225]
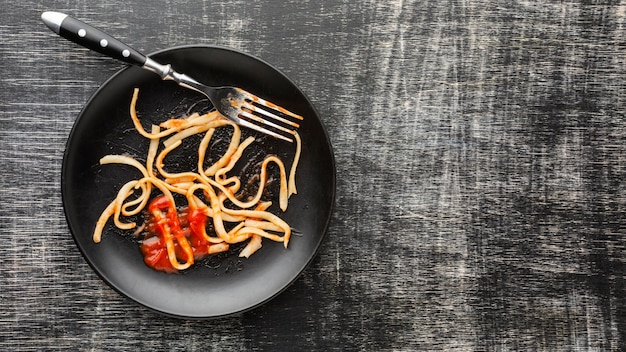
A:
[236,104]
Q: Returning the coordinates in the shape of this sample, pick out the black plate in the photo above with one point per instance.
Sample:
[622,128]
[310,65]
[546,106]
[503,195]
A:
[225,284]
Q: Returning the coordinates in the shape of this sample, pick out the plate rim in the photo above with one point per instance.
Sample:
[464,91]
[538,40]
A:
[64,173]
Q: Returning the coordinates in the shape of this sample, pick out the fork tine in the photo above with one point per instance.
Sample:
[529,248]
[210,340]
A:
[256,127]
[269,114]
[269,104]
[264,121]
[246,109]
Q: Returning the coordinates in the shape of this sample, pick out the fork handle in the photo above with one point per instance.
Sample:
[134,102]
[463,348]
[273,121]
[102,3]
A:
[92,38]
[95,39]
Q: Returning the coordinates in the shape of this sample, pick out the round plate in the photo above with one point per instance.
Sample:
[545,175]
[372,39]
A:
[224,284]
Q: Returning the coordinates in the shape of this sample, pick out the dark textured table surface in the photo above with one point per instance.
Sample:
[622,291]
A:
[481,158]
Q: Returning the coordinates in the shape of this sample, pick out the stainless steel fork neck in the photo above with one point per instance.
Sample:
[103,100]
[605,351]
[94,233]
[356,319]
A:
[168,74]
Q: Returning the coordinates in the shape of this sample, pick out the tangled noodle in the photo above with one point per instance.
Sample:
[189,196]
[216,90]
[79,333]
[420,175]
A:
[206,191]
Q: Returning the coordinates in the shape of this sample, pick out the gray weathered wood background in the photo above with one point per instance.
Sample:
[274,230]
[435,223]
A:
[481,155]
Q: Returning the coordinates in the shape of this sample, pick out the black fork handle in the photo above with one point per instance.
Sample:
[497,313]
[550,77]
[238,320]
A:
[95,39]
[92,38]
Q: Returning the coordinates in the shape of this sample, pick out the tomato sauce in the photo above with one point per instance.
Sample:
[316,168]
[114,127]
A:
[186,227]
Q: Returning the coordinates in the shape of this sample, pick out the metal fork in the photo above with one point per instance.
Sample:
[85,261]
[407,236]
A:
[234,103]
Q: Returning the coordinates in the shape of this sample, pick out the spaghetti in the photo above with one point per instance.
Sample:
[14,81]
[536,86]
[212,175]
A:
[176,236]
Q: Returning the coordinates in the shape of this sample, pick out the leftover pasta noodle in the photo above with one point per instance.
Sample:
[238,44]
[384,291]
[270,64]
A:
[175,235]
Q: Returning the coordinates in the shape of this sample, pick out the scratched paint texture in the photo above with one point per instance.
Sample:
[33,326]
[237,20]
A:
[480,151]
